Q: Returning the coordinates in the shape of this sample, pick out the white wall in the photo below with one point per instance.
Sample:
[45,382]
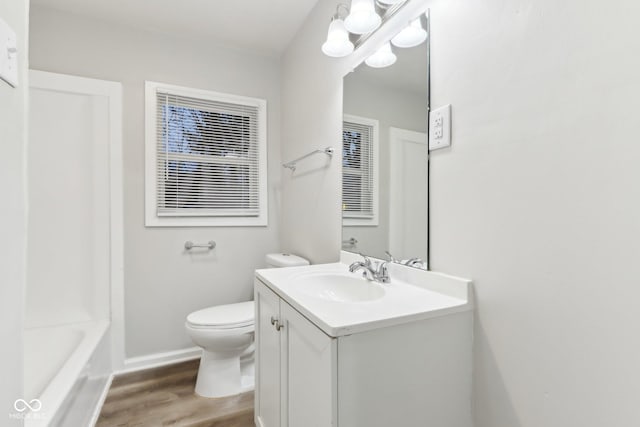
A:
[392,107]
[537,200]
[162,283]
[13,233]
[312,119]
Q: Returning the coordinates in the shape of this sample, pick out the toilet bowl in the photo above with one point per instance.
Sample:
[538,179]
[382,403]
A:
[226,335]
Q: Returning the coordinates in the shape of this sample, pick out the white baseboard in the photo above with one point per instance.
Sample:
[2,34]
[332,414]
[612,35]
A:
[160,359]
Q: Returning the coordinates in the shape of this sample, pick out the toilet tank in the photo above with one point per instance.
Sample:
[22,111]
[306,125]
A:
[284,260]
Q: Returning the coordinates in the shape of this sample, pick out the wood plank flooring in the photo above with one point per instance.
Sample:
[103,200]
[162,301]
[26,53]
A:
[165,397]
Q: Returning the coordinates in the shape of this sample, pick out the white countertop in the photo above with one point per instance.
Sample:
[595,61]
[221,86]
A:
[413,294]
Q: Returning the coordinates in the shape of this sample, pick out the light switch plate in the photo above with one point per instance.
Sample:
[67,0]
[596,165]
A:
[440,128]
[8,54]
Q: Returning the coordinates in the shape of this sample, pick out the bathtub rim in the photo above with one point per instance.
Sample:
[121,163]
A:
[60,386]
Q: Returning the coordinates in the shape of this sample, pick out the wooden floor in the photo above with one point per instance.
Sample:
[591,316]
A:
[165,397]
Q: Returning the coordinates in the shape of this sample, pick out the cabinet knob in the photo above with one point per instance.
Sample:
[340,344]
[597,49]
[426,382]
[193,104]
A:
[275,322]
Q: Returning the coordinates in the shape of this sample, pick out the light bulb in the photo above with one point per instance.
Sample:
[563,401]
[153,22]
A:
[411,36]
[383,57]
[338,43]
[362,18]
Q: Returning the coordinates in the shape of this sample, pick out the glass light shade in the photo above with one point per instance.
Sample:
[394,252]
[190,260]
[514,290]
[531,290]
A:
[338,43]
[362,18]
[411,36]
[383,57]
[390,1]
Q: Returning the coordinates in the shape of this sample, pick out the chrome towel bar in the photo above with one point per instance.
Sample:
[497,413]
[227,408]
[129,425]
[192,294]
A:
[188,245]
[292,164]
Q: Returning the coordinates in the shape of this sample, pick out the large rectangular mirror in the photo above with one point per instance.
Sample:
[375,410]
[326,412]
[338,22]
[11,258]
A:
[385,167]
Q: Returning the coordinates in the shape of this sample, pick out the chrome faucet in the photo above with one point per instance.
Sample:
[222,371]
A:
[411,262]
[377,273]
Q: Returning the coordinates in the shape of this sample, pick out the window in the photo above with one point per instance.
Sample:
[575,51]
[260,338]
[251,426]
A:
[359,171]
[205,158]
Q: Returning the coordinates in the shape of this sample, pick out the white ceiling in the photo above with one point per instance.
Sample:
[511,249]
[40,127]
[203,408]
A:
[265,26]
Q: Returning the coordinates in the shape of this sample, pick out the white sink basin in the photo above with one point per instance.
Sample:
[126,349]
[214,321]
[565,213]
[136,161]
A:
[343,303]
[339,287]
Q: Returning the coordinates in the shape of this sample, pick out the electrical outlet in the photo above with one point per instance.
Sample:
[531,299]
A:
[440,128]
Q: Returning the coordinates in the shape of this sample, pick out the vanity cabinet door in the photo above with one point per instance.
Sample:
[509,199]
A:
[268,391]
[309,381]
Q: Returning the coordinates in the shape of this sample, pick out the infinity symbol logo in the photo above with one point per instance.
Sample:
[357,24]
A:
[22,405]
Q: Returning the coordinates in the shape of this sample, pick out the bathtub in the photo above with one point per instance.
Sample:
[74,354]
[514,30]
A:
[74,304]
[66,368]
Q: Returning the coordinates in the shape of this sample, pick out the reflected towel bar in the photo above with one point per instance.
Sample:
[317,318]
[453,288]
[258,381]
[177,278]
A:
[292,164]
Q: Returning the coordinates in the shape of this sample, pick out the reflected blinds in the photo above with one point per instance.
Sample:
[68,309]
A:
[357,170]
[207,157]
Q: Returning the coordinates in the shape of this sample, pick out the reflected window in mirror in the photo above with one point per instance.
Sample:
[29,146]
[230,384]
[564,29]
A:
[359,171]
[396,99]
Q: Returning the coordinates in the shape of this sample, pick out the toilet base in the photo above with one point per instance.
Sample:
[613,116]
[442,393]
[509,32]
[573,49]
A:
[221,377]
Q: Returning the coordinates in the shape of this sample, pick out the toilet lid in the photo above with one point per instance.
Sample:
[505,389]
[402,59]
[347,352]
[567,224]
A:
[224,316]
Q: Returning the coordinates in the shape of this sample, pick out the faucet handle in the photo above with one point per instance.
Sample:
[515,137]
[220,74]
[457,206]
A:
[367,260]
[390,257]
[412,262]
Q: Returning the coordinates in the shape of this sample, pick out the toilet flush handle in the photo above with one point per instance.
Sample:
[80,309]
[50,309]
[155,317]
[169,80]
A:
[275,322]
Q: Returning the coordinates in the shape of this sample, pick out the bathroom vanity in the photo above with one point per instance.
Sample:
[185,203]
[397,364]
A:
[334,349]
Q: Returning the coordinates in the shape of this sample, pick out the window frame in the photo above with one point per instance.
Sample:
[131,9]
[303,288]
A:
[152,219]
[375,149]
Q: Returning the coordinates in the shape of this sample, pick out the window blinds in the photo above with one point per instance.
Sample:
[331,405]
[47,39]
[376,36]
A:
[357,171]
[207,157]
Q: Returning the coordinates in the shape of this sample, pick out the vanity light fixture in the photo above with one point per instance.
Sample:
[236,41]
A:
[412,35]
[362,18]
[350,26]
[383,57]
[338,43]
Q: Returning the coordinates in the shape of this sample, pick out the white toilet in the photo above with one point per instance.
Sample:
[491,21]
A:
[225,333]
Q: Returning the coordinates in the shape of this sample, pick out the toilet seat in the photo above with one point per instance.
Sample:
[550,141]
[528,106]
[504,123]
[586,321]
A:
[229,316]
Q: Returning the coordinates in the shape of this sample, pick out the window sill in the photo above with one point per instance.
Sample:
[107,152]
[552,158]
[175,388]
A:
[353,222]
[205,222]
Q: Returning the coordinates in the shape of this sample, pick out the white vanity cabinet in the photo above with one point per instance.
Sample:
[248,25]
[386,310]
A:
[295,369]
[406,373]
